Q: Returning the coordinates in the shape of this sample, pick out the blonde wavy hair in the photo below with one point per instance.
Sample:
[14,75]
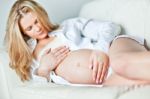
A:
[16,42]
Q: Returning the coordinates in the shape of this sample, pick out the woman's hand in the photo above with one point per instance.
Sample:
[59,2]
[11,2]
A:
[51,59]
[99,63]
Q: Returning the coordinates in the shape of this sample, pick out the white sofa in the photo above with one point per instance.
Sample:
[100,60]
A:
[132,15]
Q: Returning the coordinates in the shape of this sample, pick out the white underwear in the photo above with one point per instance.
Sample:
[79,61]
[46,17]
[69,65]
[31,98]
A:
[138,39]
[59,80]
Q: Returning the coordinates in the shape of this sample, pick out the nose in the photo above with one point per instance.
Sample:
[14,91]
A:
[37,28]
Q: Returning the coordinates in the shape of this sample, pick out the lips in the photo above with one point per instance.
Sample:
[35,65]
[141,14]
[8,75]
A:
[39,33]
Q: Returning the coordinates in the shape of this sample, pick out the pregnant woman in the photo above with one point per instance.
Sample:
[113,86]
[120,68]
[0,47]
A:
[39,49]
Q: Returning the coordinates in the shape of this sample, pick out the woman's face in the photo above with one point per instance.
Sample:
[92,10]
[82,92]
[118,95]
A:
[32,27]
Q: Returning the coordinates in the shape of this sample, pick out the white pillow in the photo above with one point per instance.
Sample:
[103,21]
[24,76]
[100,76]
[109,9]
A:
[132,15]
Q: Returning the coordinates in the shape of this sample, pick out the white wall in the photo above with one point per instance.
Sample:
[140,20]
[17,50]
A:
[58,10]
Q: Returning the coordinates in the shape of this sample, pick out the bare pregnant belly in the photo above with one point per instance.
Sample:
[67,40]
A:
[75,67]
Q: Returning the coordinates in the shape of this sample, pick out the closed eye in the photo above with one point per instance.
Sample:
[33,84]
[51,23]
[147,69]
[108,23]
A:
[29,28]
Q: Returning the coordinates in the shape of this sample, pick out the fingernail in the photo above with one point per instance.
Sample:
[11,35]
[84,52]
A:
[97,81]
[90,66]
[100,81]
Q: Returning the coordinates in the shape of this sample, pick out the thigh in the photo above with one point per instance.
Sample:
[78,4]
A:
[121,45]
[127,55]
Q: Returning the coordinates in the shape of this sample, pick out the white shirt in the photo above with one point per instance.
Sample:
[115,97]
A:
[78,33]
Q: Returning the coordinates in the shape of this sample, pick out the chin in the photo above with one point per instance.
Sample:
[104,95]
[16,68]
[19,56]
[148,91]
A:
[43,36]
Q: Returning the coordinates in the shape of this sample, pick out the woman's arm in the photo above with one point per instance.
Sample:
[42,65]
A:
[51,59]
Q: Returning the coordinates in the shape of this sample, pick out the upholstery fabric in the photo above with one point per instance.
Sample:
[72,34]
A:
[132,15]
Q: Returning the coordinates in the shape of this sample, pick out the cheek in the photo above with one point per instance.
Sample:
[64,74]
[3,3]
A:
[30,34]
[40,26]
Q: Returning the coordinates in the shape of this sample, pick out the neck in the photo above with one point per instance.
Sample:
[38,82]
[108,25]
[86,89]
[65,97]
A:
[43,40]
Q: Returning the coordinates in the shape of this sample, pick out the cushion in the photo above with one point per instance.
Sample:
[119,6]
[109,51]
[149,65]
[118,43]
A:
[132,15]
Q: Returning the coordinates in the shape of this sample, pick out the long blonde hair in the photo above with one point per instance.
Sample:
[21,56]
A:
[16,42]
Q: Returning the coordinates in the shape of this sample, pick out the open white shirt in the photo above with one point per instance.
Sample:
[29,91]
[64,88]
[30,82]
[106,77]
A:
[79,33]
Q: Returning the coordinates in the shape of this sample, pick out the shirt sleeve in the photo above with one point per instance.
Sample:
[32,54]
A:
[90,33]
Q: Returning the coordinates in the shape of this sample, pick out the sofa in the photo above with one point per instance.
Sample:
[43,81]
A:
[133,17]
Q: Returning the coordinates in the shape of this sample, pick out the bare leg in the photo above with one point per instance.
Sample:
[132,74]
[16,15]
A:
[130,59]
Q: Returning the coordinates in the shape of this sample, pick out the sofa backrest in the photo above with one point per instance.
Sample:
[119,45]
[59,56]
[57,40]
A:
[132,15]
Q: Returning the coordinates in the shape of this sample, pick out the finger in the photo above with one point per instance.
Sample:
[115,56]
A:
[99,72]
[47,51]
[95,65]
[61,51]
[91,62]
[62,56]
[103,73]
[58,48]
[59,60]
